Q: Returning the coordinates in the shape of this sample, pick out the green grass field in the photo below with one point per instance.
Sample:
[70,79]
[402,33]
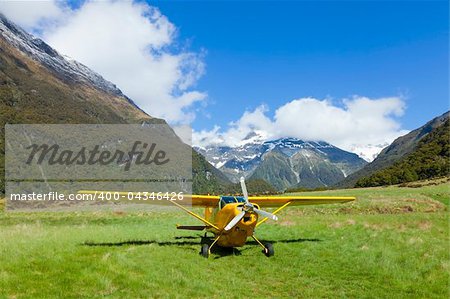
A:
[392,243]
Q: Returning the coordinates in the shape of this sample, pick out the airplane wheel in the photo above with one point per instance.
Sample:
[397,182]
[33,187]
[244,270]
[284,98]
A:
[268,250]
[204,251]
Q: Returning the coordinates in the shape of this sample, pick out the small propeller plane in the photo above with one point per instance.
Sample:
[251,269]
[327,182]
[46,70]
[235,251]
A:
[232,219]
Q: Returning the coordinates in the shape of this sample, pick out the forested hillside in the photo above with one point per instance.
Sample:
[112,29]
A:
[430,159]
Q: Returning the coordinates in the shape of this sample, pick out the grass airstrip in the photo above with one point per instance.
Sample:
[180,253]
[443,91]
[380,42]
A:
[393,242]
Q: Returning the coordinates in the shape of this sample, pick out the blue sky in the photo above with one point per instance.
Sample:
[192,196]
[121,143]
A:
[274,52]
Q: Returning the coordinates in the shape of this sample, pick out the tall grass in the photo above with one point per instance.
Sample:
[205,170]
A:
[374,248]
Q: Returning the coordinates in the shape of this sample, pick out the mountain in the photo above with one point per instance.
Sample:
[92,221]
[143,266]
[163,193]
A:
[429,159]
[237,161]
[206,178]
[254,187]
[40,86]
[399,149]
[285,162]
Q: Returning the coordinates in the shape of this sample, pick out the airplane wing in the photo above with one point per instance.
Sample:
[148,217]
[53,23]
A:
[269,201]
[212,201]
[207,201]
[277,201]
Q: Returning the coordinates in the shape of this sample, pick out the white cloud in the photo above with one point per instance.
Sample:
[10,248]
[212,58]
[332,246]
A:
[33,14]
[359,124]
[130,44]
[254,121]
[184,132]
[211,137]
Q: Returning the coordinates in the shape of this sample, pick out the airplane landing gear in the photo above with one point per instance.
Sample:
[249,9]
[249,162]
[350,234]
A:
[268,247]
[204,251]
[268,250]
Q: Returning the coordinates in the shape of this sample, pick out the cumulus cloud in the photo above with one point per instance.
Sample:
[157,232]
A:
[33,14]
[130,44]
[360,124]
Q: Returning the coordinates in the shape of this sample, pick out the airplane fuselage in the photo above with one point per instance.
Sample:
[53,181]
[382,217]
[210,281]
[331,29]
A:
[237,236]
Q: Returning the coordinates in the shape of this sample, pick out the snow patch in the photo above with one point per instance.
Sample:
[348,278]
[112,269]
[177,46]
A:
[39,51]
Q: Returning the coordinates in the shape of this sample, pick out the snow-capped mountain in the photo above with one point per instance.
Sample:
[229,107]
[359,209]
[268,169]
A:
[63,67]
[239,160]
[285,162]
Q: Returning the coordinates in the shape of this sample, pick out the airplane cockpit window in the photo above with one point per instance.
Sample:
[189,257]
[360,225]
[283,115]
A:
[240,199]
[224,200]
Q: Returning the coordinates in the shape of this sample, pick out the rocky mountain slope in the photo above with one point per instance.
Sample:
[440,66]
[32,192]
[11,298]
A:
[400,148]
[430,159]
[284,163]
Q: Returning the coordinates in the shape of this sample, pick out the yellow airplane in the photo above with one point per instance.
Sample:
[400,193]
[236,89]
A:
[232,219]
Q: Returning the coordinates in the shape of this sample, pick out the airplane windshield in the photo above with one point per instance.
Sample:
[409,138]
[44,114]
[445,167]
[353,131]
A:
[224,200]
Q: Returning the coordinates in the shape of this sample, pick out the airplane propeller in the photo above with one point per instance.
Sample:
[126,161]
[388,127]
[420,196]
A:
[248,207]
[235,220]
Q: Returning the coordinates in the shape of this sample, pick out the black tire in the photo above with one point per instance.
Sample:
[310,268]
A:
[204,251]
[268,250]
